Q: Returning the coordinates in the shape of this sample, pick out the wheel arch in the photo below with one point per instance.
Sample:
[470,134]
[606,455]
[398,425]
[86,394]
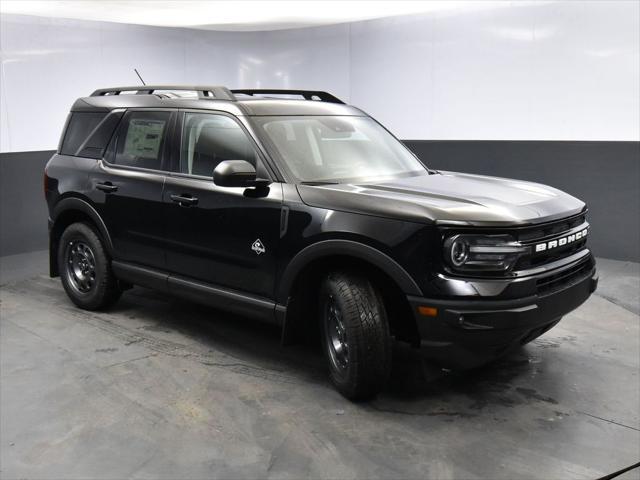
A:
[344,248]
[70,210]
[302,276]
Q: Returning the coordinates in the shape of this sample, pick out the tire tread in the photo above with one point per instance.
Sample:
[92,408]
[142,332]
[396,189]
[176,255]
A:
[368,334]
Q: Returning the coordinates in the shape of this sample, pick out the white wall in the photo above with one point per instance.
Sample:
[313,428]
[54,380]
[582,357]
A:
[541,71]
[48,63]
[521,71]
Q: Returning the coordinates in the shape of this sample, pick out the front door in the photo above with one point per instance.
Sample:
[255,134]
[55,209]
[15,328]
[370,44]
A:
[227,237]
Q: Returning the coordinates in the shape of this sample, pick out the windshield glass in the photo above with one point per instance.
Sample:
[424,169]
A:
[337,148]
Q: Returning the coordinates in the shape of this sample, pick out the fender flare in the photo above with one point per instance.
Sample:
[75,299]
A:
[326,248]
[75,203]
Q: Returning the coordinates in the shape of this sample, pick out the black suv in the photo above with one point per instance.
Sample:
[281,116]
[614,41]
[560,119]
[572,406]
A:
[307,213]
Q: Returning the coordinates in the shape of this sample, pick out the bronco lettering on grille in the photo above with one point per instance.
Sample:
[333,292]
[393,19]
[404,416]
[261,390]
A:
[559,242]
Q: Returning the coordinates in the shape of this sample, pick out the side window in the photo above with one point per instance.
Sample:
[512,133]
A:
[208,139]
[140,140]
[80,126]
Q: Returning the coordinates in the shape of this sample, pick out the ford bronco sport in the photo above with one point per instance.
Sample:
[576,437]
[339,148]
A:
[307,213]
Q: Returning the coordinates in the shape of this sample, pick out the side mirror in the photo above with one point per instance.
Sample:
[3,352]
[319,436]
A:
[236,173]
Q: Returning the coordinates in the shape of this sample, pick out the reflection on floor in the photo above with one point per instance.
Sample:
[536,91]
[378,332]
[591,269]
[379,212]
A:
[158,387]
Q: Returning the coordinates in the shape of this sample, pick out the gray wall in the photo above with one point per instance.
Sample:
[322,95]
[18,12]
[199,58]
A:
[23,211]
[604,174]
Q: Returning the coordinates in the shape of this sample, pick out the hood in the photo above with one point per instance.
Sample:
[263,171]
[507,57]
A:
[448,198]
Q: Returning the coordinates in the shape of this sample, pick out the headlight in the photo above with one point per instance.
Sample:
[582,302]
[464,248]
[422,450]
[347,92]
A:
[459,251]
[482,252]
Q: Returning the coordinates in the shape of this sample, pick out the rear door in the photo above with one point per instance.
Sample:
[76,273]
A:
[128,186]
[226,237]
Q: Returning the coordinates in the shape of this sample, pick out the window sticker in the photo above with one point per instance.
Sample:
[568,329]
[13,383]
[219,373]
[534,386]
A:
[144,138]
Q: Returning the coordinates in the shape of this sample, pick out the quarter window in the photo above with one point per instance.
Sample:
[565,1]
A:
[141,139]
[208,139]
[80,126]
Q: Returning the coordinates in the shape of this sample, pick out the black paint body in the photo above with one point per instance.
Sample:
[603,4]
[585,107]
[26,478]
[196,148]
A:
[394,233]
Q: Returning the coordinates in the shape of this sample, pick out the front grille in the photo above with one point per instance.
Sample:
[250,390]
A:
[543,258]
[541,233]
[552,283]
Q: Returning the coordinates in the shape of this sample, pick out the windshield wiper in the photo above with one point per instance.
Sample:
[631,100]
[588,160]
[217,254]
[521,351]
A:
[319,182]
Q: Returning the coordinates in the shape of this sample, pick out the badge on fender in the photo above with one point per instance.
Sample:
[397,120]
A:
[258,247]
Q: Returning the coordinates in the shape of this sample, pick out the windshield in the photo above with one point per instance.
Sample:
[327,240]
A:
[337,148]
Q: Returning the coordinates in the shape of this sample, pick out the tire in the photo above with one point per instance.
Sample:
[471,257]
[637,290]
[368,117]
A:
[85,268]
[355,335]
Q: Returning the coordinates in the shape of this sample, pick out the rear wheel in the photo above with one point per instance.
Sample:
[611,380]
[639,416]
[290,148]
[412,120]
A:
[85,269]
[355,335]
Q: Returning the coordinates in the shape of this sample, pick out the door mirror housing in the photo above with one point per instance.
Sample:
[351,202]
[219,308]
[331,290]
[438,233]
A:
[237,173]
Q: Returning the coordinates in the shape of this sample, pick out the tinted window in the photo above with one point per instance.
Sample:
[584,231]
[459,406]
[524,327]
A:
[140,140]
[79,128]
[209,139]
[97,142]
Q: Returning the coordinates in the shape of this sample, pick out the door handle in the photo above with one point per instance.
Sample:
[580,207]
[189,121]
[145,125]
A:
[107,187]
[184,200]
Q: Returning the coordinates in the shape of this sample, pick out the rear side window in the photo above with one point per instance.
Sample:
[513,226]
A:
[80,126]
[140,140]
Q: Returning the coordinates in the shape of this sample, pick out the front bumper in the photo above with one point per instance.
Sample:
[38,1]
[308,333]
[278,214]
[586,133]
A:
[468,333]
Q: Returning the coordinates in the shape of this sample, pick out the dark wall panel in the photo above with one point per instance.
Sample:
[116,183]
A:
[23,211]
[606,175]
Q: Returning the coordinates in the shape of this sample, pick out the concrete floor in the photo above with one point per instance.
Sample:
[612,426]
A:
[160,388]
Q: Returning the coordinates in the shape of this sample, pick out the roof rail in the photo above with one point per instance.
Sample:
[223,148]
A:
[306,94]
[212,92]
[217,92]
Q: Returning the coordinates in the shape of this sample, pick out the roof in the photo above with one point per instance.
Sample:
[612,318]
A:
[236,102]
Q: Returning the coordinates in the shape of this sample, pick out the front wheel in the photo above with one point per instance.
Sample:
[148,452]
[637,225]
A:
[85,269]
[355,335]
